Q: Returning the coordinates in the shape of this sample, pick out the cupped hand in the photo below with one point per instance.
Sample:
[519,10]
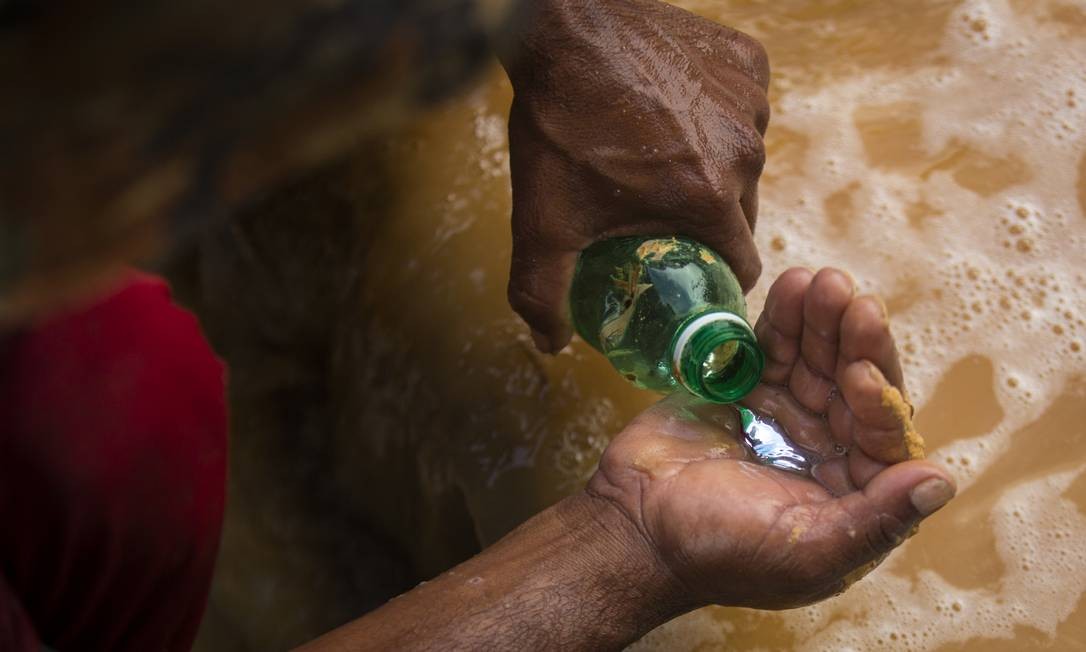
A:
[629,117]
[738,533]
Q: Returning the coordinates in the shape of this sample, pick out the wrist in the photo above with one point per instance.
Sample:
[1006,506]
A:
[620,568]
[577,576]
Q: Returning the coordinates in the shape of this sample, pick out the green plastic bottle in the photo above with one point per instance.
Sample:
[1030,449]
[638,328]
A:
[668,313]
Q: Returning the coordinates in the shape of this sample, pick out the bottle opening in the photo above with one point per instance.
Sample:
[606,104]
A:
[716,356]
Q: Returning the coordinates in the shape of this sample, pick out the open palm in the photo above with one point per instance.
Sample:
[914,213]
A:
[739,533]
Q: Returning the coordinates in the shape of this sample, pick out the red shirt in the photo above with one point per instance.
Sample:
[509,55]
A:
[112,476]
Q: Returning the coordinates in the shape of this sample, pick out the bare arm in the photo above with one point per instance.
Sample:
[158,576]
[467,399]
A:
[678,516]
[574,577]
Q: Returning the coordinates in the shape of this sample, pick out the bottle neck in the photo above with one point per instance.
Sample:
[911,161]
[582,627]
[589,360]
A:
[715,355]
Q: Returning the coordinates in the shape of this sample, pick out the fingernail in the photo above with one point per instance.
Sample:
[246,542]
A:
[541,342]
[930,495]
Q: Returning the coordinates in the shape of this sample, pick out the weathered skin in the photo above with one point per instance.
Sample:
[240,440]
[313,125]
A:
[677,517]
[86,186]
[629,116]
[781,540]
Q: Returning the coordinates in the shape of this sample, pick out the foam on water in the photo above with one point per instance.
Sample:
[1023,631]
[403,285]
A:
[1041,567]
[949,187]
[947,180]
[1019,275]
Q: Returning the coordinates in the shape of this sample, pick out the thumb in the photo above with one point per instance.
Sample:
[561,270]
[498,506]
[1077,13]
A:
[871,523]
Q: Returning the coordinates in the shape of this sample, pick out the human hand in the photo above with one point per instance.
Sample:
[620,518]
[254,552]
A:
[678,516]
[629,117]
[738,533]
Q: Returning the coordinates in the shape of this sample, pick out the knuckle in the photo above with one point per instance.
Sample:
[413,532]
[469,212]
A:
[537,292]
[719,207]
[746,264]
[750,148]
[761,113]
[525,300]
[523,291]
[754,56]
[704,198]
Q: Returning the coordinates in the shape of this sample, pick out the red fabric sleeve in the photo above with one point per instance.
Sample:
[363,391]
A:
[112,472]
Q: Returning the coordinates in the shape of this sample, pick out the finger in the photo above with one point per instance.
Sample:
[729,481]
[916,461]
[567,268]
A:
[833,474]
[862,386]
[781,323]
[539,284]
[811,388]
[749,204]
[823,307]
[730,236]
[812,379]
[844,428]
[543,260]
[840,419]
[862,468]
[876,428]
[785,350]
[802,427]
[748,55]
[737,48]
[894,491]
[864,526]
[865,335]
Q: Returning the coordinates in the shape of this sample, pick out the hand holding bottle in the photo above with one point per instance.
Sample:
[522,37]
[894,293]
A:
[629,117]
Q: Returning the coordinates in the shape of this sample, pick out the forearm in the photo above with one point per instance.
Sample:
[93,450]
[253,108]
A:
[574,577]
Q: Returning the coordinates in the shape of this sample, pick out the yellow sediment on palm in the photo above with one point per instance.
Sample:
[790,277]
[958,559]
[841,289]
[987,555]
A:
[859,573]
[796,533]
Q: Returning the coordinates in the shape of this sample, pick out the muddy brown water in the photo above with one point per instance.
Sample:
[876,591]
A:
[936,150]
